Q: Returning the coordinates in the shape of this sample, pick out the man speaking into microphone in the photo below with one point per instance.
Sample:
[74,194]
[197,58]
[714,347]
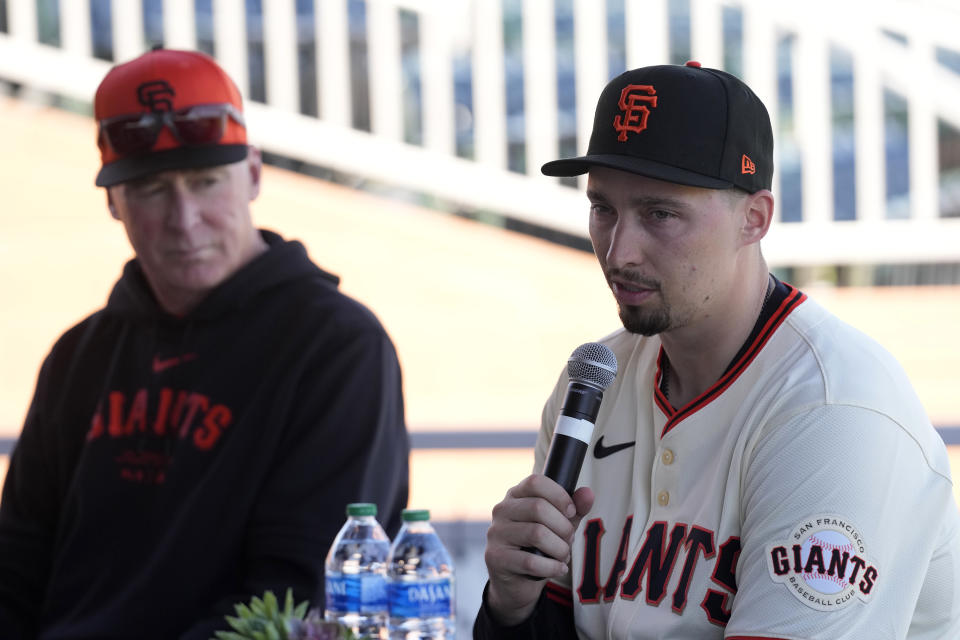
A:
[757,469]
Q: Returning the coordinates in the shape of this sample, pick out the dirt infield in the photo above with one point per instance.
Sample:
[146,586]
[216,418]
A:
[476,312]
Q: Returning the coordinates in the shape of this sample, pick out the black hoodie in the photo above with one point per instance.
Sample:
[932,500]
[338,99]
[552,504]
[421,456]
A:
[172,466]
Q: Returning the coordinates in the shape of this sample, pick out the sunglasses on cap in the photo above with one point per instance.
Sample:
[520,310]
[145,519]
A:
[196,125]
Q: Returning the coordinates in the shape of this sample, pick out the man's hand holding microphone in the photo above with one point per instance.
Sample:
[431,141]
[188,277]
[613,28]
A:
[531,536]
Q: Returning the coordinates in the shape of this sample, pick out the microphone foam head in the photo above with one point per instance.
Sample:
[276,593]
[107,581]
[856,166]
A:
[592,363]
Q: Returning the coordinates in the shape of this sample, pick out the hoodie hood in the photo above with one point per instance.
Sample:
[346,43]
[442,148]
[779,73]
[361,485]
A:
[283,262]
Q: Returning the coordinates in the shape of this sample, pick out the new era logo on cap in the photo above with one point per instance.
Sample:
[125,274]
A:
[684,124]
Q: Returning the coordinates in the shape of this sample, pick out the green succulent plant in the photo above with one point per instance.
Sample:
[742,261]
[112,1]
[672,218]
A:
[263,619]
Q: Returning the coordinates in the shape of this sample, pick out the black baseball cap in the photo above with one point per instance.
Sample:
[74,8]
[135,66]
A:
[679,123]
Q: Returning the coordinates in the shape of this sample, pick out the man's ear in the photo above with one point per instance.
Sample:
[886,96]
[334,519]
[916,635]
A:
[255,167]
[110,205]
[757,216]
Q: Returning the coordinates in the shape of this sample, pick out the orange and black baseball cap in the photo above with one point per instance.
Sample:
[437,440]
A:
[164,110]
[679,123]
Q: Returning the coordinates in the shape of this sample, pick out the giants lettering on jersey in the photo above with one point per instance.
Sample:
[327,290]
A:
[667,551]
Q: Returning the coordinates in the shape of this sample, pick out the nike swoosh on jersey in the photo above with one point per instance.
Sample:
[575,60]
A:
[600,451]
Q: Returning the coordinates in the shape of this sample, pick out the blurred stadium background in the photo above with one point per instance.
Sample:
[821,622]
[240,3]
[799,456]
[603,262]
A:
[404,139]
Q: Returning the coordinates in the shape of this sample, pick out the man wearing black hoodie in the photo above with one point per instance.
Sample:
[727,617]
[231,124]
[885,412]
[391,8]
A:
[196,441]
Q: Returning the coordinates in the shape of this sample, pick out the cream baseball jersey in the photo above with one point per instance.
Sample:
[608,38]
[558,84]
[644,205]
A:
[805,495]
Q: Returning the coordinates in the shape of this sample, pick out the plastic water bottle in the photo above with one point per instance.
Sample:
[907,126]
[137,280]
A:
[356,583]
[420,582]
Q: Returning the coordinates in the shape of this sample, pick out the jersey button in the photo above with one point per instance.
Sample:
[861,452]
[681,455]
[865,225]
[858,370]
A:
[667,457]
[663,498]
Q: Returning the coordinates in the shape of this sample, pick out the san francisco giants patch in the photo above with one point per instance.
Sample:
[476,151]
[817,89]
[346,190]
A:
[824,563]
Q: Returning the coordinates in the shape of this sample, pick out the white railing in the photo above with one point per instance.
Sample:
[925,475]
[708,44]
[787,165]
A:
[449,27]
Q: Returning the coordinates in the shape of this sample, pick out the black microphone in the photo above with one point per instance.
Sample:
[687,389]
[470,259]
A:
[591,368]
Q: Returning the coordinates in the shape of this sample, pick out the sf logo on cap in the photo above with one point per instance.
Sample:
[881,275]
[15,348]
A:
[634,103]
[156,95]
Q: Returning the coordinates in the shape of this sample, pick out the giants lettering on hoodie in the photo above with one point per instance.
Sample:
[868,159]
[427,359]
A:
[183,414]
